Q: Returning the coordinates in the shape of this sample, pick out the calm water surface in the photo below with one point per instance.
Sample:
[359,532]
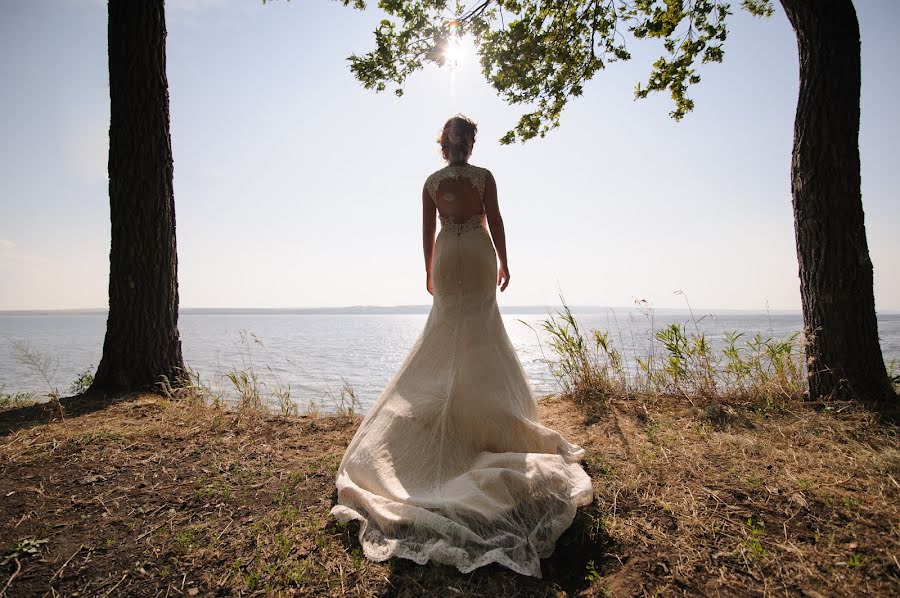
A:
[313,353]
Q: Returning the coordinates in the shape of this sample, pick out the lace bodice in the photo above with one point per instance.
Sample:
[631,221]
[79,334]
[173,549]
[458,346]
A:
[475,174]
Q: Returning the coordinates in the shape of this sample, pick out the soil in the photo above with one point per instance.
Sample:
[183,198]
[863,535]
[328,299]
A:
[141,495]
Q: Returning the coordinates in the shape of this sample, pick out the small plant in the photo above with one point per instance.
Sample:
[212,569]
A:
[254,393]
[313,409]
[587,367]
[753,541]
[83,382]
[591,570]
[893,370]
[190,386]
[282,395]
[18,399]
[855,559]
[23,548]
[346,403]
[248,387]
[595,526]
[43,365]
[185,538]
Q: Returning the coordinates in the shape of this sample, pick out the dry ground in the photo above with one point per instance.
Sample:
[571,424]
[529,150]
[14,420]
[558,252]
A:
[148,497]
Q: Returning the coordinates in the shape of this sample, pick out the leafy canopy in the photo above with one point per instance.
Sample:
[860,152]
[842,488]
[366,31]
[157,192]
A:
[539,53]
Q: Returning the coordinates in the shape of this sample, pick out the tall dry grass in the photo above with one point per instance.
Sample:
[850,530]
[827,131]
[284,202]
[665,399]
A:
[252,389]
[680,361]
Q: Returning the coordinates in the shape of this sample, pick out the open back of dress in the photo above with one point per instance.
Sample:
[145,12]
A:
[451,464]
[458,192]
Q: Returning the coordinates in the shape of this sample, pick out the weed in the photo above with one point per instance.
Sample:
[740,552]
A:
[83,382]
[855,559]
[805,484]
[595,526]
[893,370]
[206,492]
[192,388]
[592,573]
[23,548]
[18,399]
[753,541]
[346,403]
[185,538]
[252,579]
[46,367]
[313,408]
[597,465]
[255,391]
[43,365]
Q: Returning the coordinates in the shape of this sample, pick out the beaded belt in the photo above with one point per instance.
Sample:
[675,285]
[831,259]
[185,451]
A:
[472,223]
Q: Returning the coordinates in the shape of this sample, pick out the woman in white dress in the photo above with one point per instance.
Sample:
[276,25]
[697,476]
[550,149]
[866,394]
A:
[451,464]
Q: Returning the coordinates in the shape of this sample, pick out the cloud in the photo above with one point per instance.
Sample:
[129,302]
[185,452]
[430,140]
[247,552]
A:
[9,255]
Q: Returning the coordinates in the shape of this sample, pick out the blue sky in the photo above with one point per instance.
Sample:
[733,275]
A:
[296,187]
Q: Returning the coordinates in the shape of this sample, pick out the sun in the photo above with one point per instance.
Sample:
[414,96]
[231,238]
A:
[458,47]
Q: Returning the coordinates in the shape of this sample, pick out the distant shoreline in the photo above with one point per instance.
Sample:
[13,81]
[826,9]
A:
[415,309]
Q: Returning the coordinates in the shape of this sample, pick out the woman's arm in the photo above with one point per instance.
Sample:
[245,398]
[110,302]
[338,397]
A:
[429,225]
[498,233]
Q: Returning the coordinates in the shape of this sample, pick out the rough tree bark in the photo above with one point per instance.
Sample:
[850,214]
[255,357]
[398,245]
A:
[844,357]
[142,341]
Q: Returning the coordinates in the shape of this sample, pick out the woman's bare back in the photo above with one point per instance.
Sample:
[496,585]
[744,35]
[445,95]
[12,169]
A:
[458,192]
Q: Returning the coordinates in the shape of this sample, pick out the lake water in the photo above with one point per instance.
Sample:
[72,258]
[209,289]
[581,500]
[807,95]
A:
[314,352]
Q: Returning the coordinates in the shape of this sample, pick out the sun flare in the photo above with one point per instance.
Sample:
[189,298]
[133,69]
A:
[459,48]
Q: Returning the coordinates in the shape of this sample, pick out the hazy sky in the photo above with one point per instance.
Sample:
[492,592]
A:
[296,187]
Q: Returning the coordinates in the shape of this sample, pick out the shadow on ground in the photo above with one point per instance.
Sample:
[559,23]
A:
[27,416]
[583,554]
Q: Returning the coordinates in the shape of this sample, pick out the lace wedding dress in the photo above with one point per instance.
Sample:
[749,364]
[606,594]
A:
[451,464]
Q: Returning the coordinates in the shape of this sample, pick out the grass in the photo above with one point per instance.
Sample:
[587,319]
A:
[250,390]
[162,495]
[766,372]
[16,399]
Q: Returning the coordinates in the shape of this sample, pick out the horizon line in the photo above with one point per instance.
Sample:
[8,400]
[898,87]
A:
[414,309]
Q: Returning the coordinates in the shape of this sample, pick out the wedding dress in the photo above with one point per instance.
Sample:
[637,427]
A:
[451,464]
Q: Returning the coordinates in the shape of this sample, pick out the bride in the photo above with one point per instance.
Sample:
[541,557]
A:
[451,464]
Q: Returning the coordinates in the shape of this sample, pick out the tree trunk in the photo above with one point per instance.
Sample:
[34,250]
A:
[844,357]
[142,342]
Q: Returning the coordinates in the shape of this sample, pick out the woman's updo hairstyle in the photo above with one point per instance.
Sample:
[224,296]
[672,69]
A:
[457,138]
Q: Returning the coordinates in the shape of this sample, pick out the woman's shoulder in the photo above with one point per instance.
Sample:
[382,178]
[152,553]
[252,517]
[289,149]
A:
[479,174]
[486,171]
[483,175]
[482,172]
